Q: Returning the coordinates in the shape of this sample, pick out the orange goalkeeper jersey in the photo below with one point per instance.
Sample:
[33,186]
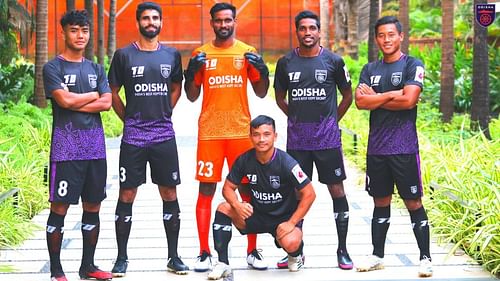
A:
[224,111]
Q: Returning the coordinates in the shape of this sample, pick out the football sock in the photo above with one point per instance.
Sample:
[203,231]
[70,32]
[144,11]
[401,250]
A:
[54,233]
[222,235]
[203,217]
[123,224]
[172,224]
[380,225]
[420,226]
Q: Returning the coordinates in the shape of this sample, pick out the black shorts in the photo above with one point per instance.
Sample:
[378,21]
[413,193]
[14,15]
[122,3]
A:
[163,162]
[383,171]
[261,223]
[70,180]
[329,164]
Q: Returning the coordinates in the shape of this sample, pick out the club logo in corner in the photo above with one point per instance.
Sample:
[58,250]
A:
[485,14]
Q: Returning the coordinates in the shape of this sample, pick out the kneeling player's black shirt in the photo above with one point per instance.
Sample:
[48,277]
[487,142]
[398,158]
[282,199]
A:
[273,184]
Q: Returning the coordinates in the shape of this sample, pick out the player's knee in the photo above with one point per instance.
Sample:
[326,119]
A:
[224,208]
[413,204]
[292,241]
[127,195]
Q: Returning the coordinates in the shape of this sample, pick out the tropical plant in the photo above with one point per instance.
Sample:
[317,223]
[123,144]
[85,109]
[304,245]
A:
[16,81]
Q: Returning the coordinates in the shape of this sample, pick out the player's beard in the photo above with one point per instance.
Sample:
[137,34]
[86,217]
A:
[224,33]
[150,34]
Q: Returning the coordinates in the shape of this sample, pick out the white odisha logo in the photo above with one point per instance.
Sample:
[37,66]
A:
[338,172]
[396,78]
[165,70]
[275,181]
[413,189]
[92,80]
[320,75]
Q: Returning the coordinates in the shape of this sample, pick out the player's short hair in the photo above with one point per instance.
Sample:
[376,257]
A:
[389,20]
[222,6]
[147,6]
[262,120]
[75,17]
[306,15]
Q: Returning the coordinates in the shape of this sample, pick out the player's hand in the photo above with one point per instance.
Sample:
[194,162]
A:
[366,90]
[244,210]
[257,61]
[284,229]
[195,63]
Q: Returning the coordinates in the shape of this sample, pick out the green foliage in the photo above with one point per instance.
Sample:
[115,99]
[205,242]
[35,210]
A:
[24,142]
[16,81]
[431,58]
[466,164]
[425,23]
[7,36]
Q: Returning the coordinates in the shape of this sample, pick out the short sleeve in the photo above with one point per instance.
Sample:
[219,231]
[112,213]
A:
[415,72]
[342,77]
[103,85]
[237,170]
[177,71]
[297,176]
[115,73]
[364,77]
[281,77]
[52,79]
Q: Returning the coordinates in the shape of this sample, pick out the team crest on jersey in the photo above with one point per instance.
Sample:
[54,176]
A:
[413,189]
[238,62]
[165,70]
[93,80]
[320,75]
[338,172]
[396,78]
[275,181]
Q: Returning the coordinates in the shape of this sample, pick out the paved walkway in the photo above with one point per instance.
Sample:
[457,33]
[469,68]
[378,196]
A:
[147,245]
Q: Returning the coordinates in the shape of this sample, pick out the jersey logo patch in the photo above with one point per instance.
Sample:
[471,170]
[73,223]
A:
[238,62]
[396,78]
[299,174]
[165,70]
[320,75]
[70,79]
[347,75]
[275,181]
[419,74]
[137,71]
[211,64]
[375,80]
[294,77]
[93,80]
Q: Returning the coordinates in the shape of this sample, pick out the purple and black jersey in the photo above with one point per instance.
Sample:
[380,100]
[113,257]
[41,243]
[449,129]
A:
[393,131]
[311,84]
[147,77]
[273,184]
[75,135]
